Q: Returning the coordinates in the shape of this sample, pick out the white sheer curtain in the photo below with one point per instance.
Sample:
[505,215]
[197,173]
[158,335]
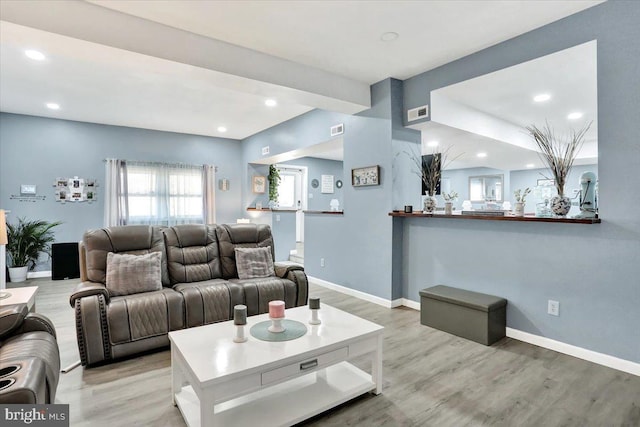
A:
[209,193]
[115,193]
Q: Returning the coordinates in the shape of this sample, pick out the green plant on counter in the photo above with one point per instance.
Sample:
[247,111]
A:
[521,196]
[450,197]
[274,181]
[27,240]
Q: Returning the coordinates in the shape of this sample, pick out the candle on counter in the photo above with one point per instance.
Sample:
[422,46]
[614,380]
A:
[240,314]
[276,309]
[314,303]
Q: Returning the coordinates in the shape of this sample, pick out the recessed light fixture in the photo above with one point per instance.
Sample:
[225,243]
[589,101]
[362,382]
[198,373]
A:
[35,55]
[270,102]
[481,154]
[542,97]
[432,143]
[530,165]
[389,36]
[53,106]
[222,129]
[575,115]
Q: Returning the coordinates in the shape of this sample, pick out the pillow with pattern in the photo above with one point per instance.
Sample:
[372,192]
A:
[252,263]
[131,274]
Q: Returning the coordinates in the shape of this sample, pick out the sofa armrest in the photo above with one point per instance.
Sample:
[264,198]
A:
[36,322]
[284,267]
[85,289]
[11,317]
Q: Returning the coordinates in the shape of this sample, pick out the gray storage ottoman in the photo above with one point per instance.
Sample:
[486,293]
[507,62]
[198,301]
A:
[479,317]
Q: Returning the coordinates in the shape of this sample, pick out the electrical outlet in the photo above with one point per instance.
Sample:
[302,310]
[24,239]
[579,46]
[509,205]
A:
[553,308]
[321,262]
[277,218]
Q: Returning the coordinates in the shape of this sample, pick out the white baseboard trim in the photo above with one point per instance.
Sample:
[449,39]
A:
[354,293]
[38,274]
[571,350]
[579,352]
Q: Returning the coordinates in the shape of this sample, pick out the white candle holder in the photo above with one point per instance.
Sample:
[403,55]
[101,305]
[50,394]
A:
[240,336]
[276,325]
[314,318]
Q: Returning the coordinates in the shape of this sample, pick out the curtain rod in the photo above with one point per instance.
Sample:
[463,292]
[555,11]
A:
[161,163]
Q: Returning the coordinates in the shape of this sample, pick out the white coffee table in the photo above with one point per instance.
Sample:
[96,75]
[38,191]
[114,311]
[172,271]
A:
[216,382]
[25,295]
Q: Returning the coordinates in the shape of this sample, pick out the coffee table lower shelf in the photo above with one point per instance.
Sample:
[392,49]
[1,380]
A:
[286,403]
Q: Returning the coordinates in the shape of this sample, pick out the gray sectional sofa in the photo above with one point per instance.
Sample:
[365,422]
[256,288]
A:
[199,285]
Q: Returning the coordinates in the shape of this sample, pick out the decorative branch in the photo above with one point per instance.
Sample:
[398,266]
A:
[521,196]
[558,153]
[430,173]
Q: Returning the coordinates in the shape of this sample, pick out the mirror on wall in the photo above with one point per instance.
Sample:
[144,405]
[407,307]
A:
[486,188]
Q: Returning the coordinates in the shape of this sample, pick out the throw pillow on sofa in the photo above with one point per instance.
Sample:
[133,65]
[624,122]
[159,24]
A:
[252,263]
[131,274]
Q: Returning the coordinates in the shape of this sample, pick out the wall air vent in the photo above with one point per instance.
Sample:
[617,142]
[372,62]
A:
[337,129]
[418,113]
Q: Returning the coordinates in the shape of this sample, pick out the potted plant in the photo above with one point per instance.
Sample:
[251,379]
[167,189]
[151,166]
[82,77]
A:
[449,198]
[26,241]
[274,180]
[559,155]
[521,200]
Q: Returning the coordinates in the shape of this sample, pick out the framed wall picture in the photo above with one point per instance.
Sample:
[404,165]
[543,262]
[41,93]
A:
[369,175]
[259,184]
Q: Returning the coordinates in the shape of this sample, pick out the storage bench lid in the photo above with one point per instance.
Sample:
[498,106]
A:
[464,298]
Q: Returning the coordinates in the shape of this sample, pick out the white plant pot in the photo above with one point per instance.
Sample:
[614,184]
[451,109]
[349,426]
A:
[519,209]
[18,274]
[448,208]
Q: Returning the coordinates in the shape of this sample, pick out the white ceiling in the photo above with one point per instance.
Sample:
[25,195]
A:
[191,66]
[489,113]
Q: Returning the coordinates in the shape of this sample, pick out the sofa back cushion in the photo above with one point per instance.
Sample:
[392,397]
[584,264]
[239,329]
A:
[128,239]
[253,263]
[232,236]
[192,253]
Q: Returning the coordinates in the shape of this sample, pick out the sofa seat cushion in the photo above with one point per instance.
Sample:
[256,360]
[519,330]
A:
[258,292]
[138,316]
[209,301]
[39,345]
[254,263]
[131,274]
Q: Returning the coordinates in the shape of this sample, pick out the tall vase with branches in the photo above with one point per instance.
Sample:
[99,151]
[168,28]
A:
[430,172]
[558,153]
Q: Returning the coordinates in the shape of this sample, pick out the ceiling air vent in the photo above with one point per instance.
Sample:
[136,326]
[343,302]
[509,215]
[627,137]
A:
[418,113]
[337,129]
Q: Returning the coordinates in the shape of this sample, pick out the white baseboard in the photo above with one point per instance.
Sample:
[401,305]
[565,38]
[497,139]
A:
[354,293]
[38,274]
[579,352]
[571,350]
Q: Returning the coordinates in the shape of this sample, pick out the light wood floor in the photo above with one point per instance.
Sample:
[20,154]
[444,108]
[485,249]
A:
[431,378]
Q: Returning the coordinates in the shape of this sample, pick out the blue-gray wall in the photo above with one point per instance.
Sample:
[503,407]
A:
[593,270]
[37,150]
[318,201]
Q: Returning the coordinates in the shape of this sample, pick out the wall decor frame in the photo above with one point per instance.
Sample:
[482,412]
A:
[259,184]
[369,175]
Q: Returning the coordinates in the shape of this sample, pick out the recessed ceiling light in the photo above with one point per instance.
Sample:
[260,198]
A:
[53,106]
[35,55]
[575,115]
[530,165]
[222,129]
[389,36]
[481,154]
[542,97]
[432,143]
[270,102]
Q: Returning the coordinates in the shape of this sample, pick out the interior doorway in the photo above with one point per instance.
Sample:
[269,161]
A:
[292,192]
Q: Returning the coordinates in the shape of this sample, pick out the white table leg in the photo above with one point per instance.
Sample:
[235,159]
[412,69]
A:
[376,366]
[207,408]
[177,378]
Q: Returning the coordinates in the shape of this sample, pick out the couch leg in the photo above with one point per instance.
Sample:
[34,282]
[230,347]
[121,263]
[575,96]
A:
[71,367]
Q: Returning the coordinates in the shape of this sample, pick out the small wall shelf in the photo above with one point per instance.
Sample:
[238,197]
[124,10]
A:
[526,218]
[270,210]
[325,212]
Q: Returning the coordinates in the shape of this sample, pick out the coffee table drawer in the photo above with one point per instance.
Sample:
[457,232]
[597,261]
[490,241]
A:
[309,365]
